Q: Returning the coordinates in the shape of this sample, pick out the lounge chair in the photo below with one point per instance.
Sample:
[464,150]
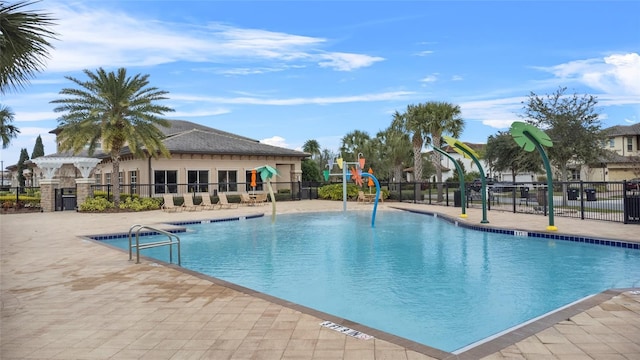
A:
[168,204]
[361,197]
[188,203]
[261,199]
[246,199]
[206,201]
[224,203]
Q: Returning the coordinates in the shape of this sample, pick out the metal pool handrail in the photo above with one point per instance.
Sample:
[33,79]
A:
[172,239]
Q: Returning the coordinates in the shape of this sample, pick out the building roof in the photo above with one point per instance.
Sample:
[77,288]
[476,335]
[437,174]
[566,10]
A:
[621,130]
[214,142]
[181,126]
[188,137]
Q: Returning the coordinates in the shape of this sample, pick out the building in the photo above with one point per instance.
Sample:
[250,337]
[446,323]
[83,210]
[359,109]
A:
[624,162]
[202,159]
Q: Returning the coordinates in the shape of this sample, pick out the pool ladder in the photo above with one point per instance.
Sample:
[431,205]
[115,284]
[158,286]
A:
[172,239]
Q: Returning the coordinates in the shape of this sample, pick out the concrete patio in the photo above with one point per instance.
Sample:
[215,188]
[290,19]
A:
[66,297]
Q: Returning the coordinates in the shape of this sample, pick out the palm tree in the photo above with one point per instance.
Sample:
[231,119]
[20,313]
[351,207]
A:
[354,143]
[24,43]
[413,122]
[112,110]
[7,131]
[312,147]
[395,150]
[442,118]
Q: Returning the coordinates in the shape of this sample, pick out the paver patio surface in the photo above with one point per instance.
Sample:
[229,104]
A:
[65,297]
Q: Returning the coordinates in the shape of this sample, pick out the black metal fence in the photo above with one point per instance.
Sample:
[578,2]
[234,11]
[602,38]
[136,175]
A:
[20,197]
[597,200]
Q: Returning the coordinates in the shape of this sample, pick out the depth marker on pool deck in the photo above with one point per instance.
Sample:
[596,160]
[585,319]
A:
[345,330]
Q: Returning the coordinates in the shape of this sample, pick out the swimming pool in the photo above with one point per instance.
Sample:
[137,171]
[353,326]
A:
[412,275]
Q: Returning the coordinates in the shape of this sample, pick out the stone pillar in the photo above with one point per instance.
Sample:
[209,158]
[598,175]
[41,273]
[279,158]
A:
[83,189]
[48,194]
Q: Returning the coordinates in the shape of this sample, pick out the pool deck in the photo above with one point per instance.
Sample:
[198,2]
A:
[66,297]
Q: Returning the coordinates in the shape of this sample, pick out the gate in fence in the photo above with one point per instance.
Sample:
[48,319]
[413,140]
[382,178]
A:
[66,199]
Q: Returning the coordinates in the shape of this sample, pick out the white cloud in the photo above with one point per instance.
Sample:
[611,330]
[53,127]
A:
[28,116]
[497,113]
[616,75]
[347,62]
[430,78]
[197,113]
[121,40]
[425,53]
[250,100]
[275,141]
[248,71]
[625,71]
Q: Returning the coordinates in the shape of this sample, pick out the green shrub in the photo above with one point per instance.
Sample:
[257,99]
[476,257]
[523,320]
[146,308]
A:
[334,192]
[137,204]
[96,204]
[33,192]
[9,200]
[131,203]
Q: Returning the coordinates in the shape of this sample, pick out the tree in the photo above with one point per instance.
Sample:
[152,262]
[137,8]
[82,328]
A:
[505,155]
[325,156]
[571,122]
[24,156]
[455,178]
[442,118]
[394,151]
[310,171]
[410,123]
[312,147]
[38,148]
[112,110]
[354,143]
[7,131]
[24,43]
[429,121]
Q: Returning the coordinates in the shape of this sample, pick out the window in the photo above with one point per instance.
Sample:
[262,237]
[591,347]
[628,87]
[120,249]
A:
[259,183]
[227,180]
[629,144]
[612,143]
[165,181]
[133,181]
[107,178]
[198,180]
[575,174]
[98,178]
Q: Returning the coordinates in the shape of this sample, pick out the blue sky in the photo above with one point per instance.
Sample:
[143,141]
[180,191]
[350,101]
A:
[289,71]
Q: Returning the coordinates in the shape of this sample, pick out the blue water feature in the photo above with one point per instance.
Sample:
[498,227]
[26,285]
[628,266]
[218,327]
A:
[411,275]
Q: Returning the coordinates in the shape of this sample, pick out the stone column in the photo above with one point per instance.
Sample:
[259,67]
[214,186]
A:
[83,190]
[48,194]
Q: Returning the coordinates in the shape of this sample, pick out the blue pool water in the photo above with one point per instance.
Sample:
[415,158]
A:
[413,275]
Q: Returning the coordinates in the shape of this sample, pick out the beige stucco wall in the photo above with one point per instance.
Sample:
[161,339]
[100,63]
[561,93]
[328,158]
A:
[289,168]
[620,145]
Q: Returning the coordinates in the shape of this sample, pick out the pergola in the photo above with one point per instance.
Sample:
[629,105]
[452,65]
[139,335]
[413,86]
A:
[49,165]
